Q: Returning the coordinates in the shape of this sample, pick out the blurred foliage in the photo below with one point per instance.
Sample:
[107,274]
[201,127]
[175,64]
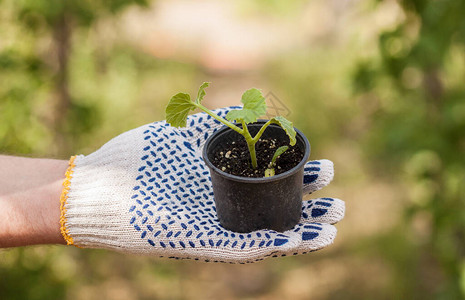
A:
[417,85]
[32,78]
[37,268]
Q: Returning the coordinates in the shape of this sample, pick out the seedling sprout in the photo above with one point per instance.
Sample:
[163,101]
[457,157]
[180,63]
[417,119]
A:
[254,106]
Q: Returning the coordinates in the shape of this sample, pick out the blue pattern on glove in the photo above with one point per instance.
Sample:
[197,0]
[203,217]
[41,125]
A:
[174,194]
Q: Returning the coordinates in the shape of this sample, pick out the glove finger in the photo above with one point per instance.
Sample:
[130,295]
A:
[313,236]
[232,247]
[317,175]
[323,210]
[259,245]
[201,125]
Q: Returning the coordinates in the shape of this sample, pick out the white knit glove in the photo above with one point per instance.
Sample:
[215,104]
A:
[148,191]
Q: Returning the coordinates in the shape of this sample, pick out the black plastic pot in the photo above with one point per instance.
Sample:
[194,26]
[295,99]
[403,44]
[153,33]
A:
[246,204]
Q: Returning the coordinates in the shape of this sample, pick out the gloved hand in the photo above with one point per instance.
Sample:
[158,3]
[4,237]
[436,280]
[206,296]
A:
[148,191]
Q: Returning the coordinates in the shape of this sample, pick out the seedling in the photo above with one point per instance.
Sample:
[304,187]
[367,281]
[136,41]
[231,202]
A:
[254,106]
[270,171]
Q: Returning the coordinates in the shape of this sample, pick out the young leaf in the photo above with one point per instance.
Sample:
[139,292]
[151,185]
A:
[201,92]
[278,152]
[269,172]
[287,126]
[254,107]
[178,108]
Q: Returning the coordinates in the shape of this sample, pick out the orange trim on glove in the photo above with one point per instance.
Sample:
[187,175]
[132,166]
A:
[63,199]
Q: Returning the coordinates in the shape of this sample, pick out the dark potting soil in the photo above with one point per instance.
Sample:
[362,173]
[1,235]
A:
[233,157]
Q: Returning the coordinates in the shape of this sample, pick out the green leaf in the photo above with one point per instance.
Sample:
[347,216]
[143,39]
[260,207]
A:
[201,92]
[178,108]
[269,172]
[254,107]
[287,126]
[278,152]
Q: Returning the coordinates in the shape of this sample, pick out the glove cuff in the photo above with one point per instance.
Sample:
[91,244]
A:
[89,219]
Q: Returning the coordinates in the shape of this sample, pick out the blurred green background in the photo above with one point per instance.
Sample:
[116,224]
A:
[377,86]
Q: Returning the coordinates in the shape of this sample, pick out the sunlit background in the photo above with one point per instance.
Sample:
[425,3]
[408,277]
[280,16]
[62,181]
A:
[377,86]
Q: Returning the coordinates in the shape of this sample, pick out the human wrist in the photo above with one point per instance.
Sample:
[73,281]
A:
[50,229]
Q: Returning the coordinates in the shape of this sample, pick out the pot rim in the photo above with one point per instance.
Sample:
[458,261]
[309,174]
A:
[287,173]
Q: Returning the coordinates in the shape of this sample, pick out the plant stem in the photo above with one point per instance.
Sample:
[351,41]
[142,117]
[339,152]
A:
[244,132]
[253,155]
[222,120]
[260,132]
[251,144]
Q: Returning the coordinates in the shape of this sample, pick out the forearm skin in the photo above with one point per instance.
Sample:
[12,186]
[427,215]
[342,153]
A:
[30,190]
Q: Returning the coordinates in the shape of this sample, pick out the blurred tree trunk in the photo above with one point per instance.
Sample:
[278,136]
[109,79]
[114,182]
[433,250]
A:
[62,101]
[433,85]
